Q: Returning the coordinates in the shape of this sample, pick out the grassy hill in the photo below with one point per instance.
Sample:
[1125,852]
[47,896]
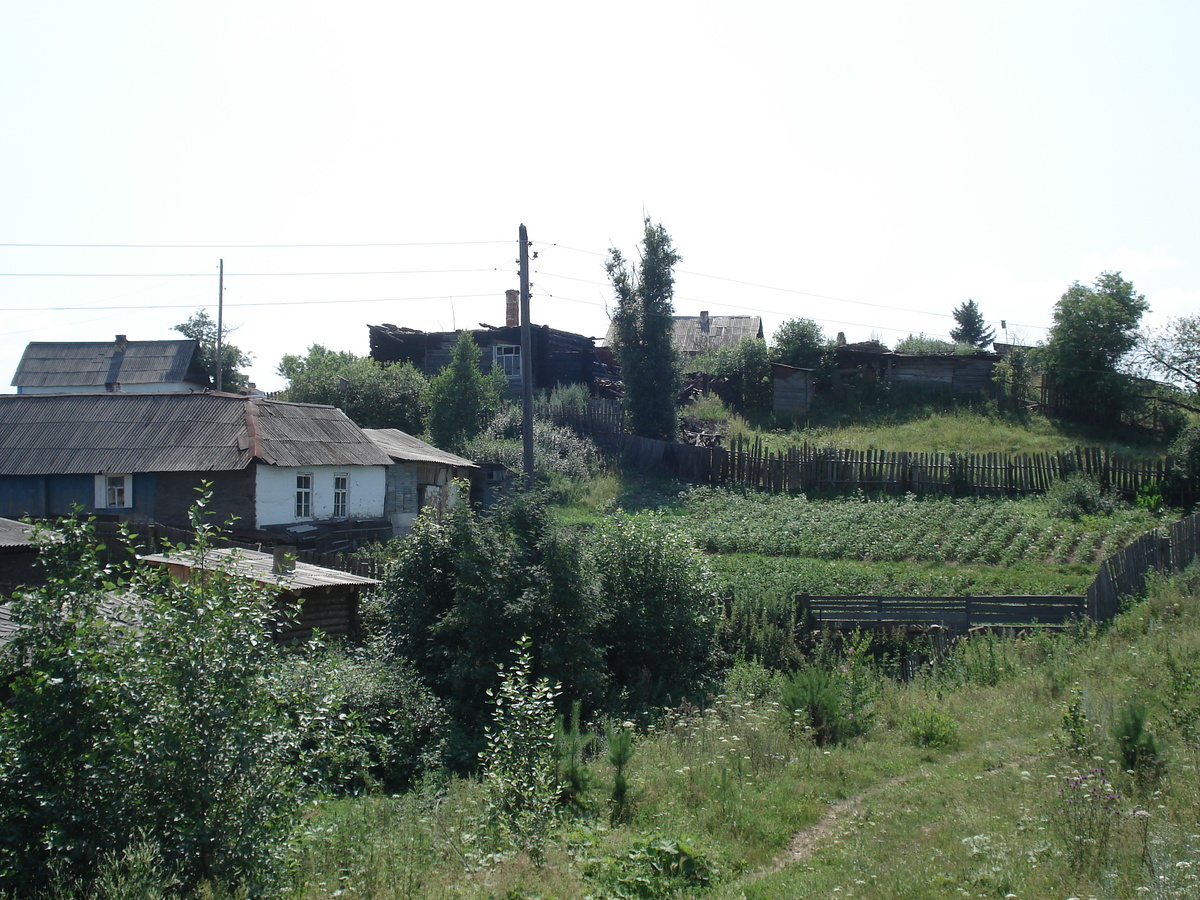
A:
[1015,767]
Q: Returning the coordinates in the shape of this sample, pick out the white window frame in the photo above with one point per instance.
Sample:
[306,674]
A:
[114,491]
[304,495]
[506,356]
[341,494]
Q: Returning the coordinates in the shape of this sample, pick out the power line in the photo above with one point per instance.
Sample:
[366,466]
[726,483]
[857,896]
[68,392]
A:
[253,246]
[233,275]
[281,304]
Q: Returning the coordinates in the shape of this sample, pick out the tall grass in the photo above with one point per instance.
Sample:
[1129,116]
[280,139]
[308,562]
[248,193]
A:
[964,782]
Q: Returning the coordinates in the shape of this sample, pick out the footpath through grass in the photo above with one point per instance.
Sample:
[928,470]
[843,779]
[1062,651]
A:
[1039,766]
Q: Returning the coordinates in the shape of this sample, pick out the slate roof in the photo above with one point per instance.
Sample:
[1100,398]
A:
[692,336]
[406,448]
[87,364]
[50,434]
[15,534]
[257,566]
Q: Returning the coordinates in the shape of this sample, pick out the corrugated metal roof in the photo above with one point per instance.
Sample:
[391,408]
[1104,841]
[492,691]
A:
[15,534]
[257,566]
[91,364]
[696,334]
[44,434]
[398,445]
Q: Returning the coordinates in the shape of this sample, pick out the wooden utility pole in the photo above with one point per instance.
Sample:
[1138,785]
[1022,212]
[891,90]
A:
[526,360]
[220,315]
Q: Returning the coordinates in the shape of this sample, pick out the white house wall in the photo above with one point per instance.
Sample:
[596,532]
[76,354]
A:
[275,495]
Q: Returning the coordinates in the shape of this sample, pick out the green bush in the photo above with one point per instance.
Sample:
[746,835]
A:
[657,628]
[463,590]
[928,727]
[518,761]
[1079,495]
[143,713]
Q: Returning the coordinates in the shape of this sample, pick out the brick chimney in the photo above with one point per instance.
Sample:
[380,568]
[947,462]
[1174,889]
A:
[121,341]
[704,320]
[512,308]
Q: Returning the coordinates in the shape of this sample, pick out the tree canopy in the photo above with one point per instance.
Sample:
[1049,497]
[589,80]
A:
[643,328]
[1173,352]
[801,343]
[372,395]
[200,327]
[971,329]
[1094,328]
[461,398]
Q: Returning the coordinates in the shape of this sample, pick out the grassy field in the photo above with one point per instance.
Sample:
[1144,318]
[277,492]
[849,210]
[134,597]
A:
[916,421]
[1009,770]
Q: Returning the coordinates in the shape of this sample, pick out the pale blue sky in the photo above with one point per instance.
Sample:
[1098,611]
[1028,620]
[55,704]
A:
[869,165]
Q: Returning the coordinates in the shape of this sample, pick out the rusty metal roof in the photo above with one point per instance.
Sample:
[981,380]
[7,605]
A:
[258,566]
[94,364]
[47,434]
[406,448]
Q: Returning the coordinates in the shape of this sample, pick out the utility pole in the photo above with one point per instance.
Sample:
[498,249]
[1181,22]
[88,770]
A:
[526,360]
[220,315]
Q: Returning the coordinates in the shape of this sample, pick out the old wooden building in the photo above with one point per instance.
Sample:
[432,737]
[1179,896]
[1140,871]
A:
[559,357]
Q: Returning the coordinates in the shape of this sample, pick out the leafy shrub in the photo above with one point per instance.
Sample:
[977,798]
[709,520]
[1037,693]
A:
[659,612]
[928,727]
[463,590]
[1079,495]
[379,725]
[557,450]
[518,761]
[152,723]
[658,867]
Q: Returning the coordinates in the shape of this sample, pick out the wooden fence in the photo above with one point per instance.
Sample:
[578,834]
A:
[1121,576]
[958,614]
[810,468]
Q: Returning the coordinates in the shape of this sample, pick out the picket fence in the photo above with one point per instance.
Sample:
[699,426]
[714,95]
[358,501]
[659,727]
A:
[810,468]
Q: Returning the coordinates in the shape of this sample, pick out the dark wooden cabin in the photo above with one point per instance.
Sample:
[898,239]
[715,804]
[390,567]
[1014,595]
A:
[559,357]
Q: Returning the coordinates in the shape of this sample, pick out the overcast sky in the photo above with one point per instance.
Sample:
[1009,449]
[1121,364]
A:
[869,165]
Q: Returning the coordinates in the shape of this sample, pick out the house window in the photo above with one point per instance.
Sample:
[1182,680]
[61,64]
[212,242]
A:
[304,495]
[114,491]
[341,491]
[508,358]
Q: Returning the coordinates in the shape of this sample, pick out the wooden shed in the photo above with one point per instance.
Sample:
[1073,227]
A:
[328,599]
[961,373]
[792,389]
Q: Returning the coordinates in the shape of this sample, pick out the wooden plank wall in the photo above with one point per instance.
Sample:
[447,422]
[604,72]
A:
[811,468]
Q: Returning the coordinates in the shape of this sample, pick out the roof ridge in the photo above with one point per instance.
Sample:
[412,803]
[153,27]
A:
[254,433]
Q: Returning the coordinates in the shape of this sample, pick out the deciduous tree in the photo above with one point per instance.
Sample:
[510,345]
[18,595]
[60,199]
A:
[1173,352]
[1094,328]
[801,343]
[200,327]
[643,327]
[371,394]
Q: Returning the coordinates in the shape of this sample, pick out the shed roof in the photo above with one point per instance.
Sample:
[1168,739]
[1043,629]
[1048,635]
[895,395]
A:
[45,434]
[258,566]
[15,534]
[406,448]
[65,364]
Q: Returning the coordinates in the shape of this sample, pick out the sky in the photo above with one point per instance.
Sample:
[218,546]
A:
[870,165]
